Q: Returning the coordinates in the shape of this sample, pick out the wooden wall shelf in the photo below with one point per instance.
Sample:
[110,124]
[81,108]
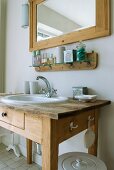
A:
[90,64]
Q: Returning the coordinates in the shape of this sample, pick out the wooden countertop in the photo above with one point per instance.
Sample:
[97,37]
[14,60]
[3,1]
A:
[57,110]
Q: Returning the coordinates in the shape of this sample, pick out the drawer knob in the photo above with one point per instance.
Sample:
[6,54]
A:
[4,114]
[73,126]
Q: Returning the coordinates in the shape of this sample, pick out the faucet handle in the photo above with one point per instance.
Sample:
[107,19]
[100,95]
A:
[54,91]
[42,91]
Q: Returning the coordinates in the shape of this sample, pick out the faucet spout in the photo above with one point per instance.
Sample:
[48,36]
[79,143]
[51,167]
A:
[49,93]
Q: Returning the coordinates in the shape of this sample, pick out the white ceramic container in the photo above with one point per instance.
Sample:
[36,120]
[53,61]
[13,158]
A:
[80,161]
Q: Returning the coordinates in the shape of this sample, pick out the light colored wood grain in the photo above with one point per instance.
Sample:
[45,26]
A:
[81,120]
[32,127]
[103,18]
[101,29]
[13,117]
[50,132]
[30,23]
[56,110]
[88,65]
[49,145]
[93,149]
[29,151]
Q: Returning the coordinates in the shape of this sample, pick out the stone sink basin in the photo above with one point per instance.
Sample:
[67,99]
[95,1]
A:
[31,99]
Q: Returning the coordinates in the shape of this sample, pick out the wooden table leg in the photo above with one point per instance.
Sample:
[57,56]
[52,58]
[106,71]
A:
[29,151]
[93,149]
[49,145]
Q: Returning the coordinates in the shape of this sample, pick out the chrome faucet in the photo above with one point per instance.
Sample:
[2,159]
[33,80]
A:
[50,91]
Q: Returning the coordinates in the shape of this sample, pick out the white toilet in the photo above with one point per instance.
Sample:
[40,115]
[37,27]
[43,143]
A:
[80,161]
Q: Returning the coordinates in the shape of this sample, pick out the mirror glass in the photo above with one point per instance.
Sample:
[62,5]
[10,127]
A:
[58,17]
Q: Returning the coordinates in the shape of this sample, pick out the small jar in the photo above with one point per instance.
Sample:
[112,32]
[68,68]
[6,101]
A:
[77,91]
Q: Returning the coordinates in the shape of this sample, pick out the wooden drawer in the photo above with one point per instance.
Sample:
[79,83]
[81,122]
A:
[12,117]
[79,122]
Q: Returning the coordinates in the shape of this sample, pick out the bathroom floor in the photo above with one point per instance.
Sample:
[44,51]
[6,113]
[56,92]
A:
[8,161]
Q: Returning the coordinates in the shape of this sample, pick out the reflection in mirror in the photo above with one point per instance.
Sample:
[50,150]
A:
[56,17]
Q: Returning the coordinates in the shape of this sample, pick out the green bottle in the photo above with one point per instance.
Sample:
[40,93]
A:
[81,52]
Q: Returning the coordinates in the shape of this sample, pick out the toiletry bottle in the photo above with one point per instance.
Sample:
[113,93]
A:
[42,59]
[81,52]
[60,55]
[38,56]
[34,58]
[45,58]
[54,59]
[51,59]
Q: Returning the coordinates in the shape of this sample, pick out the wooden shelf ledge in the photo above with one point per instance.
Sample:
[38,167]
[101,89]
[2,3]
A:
[90,64]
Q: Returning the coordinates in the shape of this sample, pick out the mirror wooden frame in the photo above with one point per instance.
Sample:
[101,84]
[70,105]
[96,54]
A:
[101,29]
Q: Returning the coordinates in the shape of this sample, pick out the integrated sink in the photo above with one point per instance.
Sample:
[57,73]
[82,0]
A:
[31,99]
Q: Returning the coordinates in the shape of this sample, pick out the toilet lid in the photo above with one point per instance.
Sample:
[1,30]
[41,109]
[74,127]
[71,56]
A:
[80,161]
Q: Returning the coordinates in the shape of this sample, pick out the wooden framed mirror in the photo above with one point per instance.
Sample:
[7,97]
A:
[100,29]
